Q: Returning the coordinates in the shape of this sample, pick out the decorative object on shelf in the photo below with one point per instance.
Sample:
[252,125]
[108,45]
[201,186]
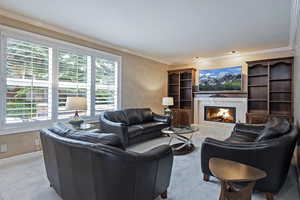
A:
[76,103]
[270,89]
[167,101]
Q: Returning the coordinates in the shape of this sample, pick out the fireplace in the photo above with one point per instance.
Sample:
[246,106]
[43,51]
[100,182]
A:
[220,114]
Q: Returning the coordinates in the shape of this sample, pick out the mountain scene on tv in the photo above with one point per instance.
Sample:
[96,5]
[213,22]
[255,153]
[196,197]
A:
[221,79]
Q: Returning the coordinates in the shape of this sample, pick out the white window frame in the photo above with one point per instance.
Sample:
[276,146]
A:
[55,45]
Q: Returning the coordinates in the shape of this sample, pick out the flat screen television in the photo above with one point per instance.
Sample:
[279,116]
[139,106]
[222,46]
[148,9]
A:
[221,79]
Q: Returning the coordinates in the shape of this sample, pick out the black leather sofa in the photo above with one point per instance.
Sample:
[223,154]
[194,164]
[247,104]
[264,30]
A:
[133,125]
[268,147]
[93,166]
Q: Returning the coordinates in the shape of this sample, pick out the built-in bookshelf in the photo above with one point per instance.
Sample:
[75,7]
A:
[180,87]
[270,89]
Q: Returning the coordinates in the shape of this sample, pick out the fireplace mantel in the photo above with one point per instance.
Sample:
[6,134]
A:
[200,102]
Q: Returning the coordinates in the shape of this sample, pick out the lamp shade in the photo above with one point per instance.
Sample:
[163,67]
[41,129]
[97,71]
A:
[76,103]
[167,101]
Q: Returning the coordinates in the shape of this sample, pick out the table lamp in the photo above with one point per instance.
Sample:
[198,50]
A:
[167,101]
[76,103]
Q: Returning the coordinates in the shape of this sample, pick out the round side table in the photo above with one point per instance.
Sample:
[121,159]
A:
[229,172]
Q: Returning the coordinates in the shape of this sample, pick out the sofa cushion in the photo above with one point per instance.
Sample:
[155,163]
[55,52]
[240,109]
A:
[60,129]
[134,116]
[92,137]
[153,126]
[134,131]
[274,128]
[241,137]
[146,115]
[118,116]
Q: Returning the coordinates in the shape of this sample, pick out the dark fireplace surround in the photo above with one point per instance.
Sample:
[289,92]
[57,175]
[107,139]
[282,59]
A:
[220,114]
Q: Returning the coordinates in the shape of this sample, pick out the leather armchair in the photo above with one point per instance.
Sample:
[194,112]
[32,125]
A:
[80,170]
[273,155]
[134,125]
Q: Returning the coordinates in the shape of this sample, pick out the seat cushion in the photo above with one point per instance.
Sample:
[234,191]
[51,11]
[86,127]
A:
[153,126]
[274,128]
[241,137]
[134,131]
[138,115]
[118,116]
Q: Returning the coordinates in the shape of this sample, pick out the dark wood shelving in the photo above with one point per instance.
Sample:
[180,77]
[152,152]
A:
[282,79]
[270,89]
[276,101]
[280,92]
[258,75]
[185,79]
[257,99]
[182,82]
[258,85]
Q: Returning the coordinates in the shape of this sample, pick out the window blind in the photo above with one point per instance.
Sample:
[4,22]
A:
[106,85]
[73,80]
[27,81]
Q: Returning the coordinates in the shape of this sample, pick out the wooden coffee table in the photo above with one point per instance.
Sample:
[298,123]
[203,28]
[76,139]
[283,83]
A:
[230,172]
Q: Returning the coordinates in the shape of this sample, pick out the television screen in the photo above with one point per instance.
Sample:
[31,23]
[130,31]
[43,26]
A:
[221,79]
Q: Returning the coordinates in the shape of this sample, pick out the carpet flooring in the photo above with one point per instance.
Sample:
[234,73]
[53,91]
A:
[24,177]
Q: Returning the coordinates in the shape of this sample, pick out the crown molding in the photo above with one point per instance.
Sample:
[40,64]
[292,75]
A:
[41,24]
[294,22]
[265,51]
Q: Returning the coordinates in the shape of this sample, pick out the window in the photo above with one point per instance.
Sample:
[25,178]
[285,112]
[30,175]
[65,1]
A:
[73,80]
[39,75]
[27,80]
[106,85]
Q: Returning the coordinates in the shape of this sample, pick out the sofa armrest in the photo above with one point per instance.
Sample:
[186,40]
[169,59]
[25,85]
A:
[119,129]
[156,153]
[154,165]
[248,128]
[254,154]
[161,118]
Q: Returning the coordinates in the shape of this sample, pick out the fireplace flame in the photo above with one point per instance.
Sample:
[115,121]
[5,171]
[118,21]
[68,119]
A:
[224,113]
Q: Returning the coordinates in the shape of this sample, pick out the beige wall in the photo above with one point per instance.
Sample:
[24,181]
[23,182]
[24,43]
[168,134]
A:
[143,83]
[297,95]
[234,61]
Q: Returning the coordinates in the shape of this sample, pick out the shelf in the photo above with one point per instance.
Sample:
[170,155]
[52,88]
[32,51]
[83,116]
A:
[185,87]
[172,84]
[257,100]
[252,111]
[186,100]
[258,85]
[282,79]
[284,113]
[280,92]
[185,79]
[280,101]
[258,75]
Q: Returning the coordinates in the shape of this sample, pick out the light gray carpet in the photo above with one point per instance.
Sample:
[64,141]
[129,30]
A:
[23,177]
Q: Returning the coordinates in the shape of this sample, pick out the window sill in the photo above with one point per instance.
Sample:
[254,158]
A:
[36,126]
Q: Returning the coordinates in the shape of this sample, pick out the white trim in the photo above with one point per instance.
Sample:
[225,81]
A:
[2,79]
[77,35]
[294,22]
[54,45]
[281,49]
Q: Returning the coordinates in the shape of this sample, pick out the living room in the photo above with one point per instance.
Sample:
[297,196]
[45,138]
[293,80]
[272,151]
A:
[140,100]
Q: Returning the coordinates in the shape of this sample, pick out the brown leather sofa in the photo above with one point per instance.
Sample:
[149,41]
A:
[83,165]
